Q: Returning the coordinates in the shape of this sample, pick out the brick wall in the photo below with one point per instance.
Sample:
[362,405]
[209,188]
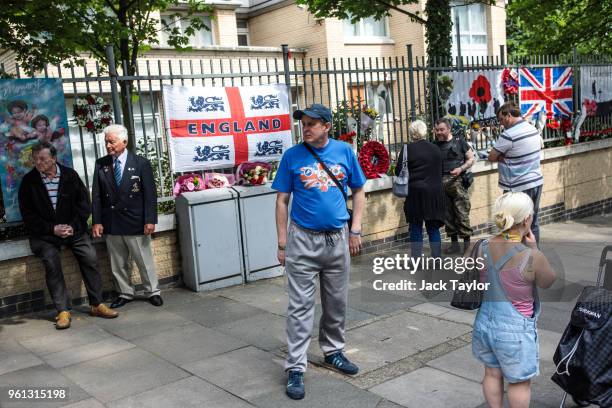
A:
[576,185]
[22,280]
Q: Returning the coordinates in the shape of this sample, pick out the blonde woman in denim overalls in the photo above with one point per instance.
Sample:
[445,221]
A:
[505,336]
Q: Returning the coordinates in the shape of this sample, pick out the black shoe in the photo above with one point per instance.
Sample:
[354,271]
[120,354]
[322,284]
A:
[120,302]
[156,300]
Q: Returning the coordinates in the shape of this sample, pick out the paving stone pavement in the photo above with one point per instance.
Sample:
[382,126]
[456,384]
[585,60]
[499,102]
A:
[225,348]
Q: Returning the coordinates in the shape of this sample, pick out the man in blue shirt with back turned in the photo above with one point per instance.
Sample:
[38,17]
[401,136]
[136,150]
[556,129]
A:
[318,241]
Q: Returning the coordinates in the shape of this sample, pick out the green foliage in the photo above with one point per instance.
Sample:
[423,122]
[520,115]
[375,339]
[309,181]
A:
[356,9]
[438,31]
[150,152]
[340,116]
[53,31]
[555,26]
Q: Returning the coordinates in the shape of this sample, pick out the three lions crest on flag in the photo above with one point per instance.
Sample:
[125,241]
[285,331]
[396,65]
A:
[214,127]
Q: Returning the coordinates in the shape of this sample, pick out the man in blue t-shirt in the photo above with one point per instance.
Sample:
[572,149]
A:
[318,241]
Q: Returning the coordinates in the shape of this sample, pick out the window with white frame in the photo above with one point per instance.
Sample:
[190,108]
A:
[200,38]
[242,26]
[472,29]
[366,27]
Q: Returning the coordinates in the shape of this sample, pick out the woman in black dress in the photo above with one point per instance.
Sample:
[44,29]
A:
[425,201]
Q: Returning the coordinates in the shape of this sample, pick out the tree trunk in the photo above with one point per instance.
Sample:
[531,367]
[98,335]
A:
[128,114]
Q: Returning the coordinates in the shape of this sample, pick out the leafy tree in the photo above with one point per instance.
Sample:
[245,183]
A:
[55,31]
[555,26]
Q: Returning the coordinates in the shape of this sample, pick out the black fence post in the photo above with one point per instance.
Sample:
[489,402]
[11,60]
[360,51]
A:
[502,54]
[286,71]
[411,83]
[576,72]
[112,71]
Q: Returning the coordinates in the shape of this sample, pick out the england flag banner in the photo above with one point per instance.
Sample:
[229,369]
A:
[214,127]
[546,90]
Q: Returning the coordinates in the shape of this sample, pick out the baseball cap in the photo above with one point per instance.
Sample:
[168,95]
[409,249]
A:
[316,111]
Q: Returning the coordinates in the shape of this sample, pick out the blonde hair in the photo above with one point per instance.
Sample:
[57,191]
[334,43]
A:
[511,209]
[417,129]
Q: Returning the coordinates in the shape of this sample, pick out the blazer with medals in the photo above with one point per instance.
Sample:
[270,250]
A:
[124,209]
[72,206]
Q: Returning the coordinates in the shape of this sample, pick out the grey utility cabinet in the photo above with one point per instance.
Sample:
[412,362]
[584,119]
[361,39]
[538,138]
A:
[209,234]
[258,226]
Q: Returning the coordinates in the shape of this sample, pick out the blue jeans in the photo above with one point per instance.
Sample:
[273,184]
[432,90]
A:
[534,193]
[416,238]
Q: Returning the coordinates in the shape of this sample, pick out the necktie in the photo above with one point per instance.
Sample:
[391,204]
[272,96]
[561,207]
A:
[117,171]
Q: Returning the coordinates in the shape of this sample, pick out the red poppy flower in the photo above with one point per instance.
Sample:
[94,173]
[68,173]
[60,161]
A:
[553,124]
[480,92]
[566,124]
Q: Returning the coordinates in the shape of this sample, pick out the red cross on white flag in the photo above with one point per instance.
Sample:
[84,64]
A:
[211,128]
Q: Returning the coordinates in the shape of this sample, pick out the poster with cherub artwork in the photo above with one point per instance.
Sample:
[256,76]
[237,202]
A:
[31,111]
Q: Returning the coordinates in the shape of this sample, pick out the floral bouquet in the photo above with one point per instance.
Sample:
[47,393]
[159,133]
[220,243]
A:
[187,183]
[368,116]
[347,137]
[590,106]
[253,173]
[510,81]
[218,180]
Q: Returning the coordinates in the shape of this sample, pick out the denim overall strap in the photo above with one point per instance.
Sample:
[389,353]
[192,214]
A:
[501,303]
[508,255]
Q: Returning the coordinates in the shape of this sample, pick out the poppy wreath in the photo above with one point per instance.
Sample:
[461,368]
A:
[510,81]
[374,159]
[92,113]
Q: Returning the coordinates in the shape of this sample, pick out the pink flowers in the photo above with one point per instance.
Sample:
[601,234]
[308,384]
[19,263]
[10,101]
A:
[188,182]
[195,182]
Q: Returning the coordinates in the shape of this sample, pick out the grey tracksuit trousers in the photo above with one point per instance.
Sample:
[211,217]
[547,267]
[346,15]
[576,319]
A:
[311,254]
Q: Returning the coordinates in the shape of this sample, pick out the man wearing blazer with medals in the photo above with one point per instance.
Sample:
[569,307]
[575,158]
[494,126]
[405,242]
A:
[125,211]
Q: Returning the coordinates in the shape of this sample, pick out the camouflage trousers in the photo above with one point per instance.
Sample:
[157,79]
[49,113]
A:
[456,207]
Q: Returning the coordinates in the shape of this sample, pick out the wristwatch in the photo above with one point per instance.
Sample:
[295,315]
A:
[355,233]
[281,247]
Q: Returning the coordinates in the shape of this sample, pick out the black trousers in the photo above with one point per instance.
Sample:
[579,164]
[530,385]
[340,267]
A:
[85,254]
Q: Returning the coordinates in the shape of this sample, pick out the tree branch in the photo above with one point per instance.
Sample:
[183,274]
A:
[109,3]
[409,14]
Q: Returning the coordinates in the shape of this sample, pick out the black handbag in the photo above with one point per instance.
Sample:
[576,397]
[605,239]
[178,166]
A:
[331,175]
[473,299]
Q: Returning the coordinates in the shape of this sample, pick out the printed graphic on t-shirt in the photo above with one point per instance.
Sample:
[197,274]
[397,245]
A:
[315,176]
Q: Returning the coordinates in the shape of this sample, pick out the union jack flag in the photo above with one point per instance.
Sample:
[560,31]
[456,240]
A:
[546,89]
